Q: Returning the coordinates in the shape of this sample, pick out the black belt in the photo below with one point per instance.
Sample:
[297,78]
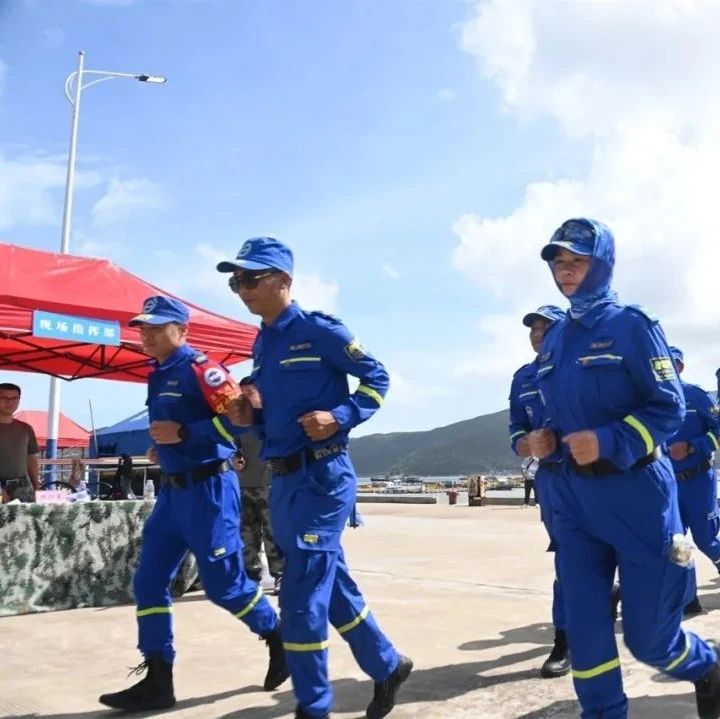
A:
[13,482]
[604,467]
[293,462]
[197,475]
[694,471]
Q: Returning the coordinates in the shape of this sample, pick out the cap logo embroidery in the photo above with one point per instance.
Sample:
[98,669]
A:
[150,304]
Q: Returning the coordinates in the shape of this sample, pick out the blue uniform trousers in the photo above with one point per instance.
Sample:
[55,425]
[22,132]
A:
[624,521]
[544,493]
[203,518]
[699,511]
[308,511]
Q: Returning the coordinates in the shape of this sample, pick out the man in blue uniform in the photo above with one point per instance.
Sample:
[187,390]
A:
[301,363]
[612,399]
[692,453]
[526,415]
[197,508]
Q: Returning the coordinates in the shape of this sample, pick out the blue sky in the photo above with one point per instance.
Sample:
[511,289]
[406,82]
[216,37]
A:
[395,145]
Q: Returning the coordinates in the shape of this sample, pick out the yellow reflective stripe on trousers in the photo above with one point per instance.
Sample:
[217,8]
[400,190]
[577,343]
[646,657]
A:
[681,658]
[351,625]
[714,440]
[153,610]
[249,607]
[598,670]
[217,422]
[305,647]
[642,430]
[370,392]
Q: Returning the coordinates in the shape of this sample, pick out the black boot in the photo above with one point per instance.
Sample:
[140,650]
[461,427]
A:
[707,690]
[558,663]
[277,671]
[693,608]
[300,714]
[614,602]
[385,692]
[154,691]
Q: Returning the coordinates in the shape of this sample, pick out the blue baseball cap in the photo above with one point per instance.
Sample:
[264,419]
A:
[159,310]
[677,354]
[545,312]
[260,253]
[577,236]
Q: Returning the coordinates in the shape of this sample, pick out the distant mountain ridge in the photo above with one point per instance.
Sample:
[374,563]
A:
[473,446]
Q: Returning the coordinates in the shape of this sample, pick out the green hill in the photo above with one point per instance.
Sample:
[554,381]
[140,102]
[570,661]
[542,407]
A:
[473,446]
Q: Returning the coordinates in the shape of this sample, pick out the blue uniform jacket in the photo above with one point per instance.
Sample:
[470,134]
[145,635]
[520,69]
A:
[301,364]
[610,371]
[526,407]
[174,393]
[700,428]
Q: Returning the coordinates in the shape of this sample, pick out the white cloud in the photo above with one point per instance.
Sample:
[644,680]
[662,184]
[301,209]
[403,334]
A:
[314,293]
[127,199]
[640,90]
[31,186]
[390,271]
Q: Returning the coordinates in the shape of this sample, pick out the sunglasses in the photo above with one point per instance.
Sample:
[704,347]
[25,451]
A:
[248,280]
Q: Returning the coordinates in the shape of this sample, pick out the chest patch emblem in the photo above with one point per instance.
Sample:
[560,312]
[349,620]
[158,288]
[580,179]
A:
[301,346]
[603,343]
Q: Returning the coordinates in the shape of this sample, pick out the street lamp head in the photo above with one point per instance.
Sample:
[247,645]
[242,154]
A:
[155,79]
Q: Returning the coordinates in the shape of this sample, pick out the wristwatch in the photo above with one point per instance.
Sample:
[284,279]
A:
[183,432]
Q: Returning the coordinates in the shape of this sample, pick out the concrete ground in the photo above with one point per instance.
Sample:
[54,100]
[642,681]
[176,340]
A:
[464,591]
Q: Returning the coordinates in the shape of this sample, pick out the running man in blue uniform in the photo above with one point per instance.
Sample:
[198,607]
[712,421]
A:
[301,364]
[612,400]
[197,508]
[526,415]
[692,453]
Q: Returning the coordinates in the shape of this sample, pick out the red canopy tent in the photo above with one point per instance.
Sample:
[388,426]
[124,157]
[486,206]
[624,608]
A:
[71,434]
[98,289]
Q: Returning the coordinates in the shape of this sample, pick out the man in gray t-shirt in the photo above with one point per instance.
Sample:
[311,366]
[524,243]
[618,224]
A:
[19,466]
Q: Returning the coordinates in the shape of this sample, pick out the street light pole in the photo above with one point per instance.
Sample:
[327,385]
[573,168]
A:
[74,100]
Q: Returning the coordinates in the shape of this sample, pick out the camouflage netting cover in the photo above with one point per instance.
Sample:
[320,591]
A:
[62,556]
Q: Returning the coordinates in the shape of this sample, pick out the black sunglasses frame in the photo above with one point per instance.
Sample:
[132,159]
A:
[248,280]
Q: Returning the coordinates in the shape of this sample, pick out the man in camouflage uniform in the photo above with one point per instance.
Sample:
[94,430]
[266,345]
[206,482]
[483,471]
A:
[255,525]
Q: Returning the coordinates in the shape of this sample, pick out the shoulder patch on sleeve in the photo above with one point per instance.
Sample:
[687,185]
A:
[643,312]
[355,350]
[663,368]
[217,385]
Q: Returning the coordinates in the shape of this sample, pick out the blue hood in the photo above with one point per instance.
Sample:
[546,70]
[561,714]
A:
[586,237]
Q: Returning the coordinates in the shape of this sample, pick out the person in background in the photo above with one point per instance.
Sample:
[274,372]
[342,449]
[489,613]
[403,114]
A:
[527,414]
[612,399]
[124,476]
[529,468]
[19,464]
[255,523]
[692,453]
